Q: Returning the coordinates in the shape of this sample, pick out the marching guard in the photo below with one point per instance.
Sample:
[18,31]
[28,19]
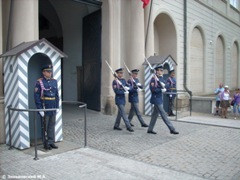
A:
[121,88]
[157,88]
[133,97]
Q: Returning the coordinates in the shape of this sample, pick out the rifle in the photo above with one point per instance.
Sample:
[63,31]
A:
[155,76]
[130,74]
[117,79]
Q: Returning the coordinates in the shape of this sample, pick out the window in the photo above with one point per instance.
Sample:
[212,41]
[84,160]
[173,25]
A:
[234,3]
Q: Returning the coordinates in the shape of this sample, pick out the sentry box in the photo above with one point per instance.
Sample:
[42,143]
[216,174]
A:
[168,64]
[22,67]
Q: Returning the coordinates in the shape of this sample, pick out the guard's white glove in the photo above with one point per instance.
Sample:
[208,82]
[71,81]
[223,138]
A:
[57,110]
[127,88]
[164,90]
[126,92]
[41,113]
[139,84]
[162,84]
[139,90]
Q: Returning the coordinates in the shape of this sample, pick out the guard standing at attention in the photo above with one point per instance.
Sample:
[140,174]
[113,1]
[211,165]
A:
[133,97]
[46,97]
[171,89]
[121,87]
[157,88]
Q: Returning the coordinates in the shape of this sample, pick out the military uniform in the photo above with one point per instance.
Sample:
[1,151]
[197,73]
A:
[157,101]
[133,99]
[46,97]
[171,90]
[120,102]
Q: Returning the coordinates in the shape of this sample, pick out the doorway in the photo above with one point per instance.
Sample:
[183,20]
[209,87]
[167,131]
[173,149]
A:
[80,39]
[92,60]
[36,62]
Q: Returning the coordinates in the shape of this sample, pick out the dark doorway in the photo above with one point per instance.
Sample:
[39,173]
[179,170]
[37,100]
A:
[35,64]
[92,60]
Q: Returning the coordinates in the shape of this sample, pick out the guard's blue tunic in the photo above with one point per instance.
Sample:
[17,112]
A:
[156,90]
[171,85]
[119,91]
[133,93]
[46,95]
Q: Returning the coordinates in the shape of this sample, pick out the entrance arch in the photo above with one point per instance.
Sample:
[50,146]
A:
[74,26]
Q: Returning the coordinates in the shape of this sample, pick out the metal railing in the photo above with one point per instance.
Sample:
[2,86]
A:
[190,99]
[177,93]
[81,105]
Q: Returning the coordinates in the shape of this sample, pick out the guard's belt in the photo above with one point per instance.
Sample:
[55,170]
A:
[48,98]
[172,88]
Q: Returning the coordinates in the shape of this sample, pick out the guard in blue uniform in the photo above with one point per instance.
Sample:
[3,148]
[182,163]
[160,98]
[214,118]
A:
[157,88]
[171,89]
[120,90]
[46,97]
[133,98]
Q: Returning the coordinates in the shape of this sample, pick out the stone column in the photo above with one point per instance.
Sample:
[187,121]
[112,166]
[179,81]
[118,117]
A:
[111,12]
[137,35]
[150,36]
[24,22]
[136,51]
[23,27]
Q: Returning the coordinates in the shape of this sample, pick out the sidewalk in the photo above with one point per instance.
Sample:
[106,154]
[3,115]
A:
[199,152]
[84,163]
[209,119]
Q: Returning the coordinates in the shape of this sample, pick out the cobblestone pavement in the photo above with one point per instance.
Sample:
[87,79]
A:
[206,151]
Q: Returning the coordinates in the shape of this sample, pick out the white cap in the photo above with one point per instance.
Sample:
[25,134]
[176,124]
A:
[226,86]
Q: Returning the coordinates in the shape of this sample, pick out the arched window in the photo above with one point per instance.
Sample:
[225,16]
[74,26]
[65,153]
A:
[219,61]
[196,76]
[235,65]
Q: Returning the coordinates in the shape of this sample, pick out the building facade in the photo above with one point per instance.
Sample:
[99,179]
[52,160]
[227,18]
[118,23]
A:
[202,36]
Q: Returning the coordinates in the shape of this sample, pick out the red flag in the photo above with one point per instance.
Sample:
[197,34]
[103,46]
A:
[145,3]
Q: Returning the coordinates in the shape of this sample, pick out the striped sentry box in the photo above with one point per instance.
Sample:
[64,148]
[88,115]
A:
[155,61]
[16,88]
[147,77]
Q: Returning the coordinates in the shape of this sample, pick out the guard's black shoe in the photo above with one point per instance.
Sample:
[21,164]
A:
[174,132]
[117,128]
[151,132]
[130,129]
[47,147]
[131,124]
[53,146]
[144,125]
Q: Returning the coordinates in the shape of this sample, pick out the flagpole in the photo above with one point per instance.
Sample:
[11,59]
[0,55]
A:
[149,16]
